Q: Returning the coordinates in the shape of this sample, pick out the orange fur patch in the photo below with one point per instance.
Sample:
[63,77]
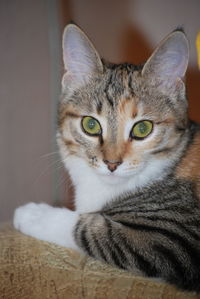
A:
[69,143]
[120,148]
[128,107]
[112,152]
[189,167]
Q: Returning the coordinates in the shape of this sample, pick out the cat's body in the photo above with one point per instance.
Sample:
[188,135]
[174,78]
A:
[134,159]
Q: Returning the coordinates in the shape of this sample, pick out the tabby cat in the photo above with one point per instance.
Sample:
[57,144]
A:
[134,159]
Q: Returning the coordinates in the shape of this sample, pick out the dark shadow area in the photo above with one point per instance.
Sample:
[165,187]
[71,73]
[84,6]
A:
[65,13]
[135,49]
[193,91]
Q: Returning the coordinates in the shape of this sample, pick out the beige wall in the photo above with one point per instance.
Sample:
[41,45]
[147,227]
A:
[26,116]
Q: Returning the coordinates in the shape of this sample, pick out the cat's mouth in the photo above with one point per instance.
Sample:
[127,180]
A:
[119,175]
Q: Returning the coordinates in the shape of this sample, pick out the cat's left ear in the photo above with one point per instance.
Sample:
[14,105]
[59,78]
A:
[168,63]
[81,60]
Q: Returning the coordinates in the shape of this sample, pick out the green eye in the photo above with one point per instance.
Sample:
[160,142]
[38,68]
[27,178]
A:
[142,129]
[91,126]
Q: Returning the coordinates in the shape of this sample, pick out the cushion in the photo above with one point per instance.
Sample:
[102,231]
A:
[30,268]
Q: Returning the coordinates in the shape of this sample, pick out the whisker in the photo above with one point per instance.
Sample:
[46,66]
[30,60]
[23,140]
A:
[45,171]
[49,154]
[61,182]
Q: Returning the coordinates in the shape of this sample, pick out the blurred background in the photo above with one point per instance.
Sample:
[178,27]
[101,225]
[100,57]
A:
[31,69]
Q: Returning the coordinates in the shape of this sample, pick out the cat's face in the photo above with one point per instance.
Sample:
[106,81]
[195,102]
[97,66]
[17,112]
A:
[117,118]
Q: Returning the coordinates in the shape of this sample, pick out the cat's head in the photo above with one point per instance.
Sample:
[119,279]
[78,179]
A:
[122,120]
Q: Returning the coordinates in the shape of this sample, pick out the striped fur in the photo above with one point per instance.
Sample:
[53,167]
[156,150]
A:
[145,216]
[154,232]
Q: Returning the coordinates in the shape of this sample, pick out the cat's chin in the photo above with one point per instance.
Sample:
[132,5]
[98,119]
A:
[112,178]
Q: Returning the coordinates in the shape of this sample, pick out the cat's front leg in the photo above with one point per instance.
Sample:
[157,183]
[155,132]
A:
[47,223]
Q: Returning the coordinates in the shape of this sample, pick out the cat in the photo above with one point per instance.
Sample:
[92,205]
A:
[134,159]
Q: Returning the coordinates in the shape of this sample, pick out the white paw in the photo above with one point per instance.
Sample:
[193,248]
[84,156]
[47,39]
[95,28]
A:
[30,214]
[47,223]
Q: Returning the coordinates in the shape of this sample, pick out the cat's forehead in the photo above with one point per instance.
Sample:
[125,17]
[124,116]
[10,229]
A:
[113,90]
[119,91]
[119,82]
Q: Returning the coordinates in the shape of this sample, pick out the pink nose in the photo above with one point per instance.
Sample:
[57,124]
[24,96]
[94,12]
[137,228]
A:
[112,165]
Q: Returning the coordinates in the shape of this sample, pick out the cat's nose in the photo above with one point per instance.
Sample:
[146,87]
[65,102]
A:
[112,165]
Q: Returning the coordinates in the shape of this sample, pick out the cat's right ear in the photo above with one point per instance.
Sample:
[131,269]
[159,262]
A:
[81,60]
[167,65]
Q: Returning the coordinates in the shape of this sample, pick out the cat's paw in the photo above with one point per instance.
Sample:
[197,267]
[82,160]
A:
[29,215]
[47,223]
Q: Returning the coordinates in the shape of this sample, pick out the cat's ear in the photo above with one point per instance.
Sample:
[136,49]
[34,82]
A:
[168,63]
[81,60]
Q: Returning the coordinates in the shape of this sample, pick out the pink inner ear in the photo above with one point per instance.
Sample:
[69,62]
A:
[75,54]
[169,61]
[80,58]
[172,66]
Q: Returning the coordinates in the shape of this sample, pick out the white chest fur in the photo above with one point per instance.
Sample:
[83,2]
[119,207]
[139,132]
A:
[93,192]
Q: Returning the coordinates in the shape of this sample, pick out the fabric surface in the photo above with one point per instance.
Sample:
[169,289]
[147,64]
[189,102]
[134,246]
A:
[35,269]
